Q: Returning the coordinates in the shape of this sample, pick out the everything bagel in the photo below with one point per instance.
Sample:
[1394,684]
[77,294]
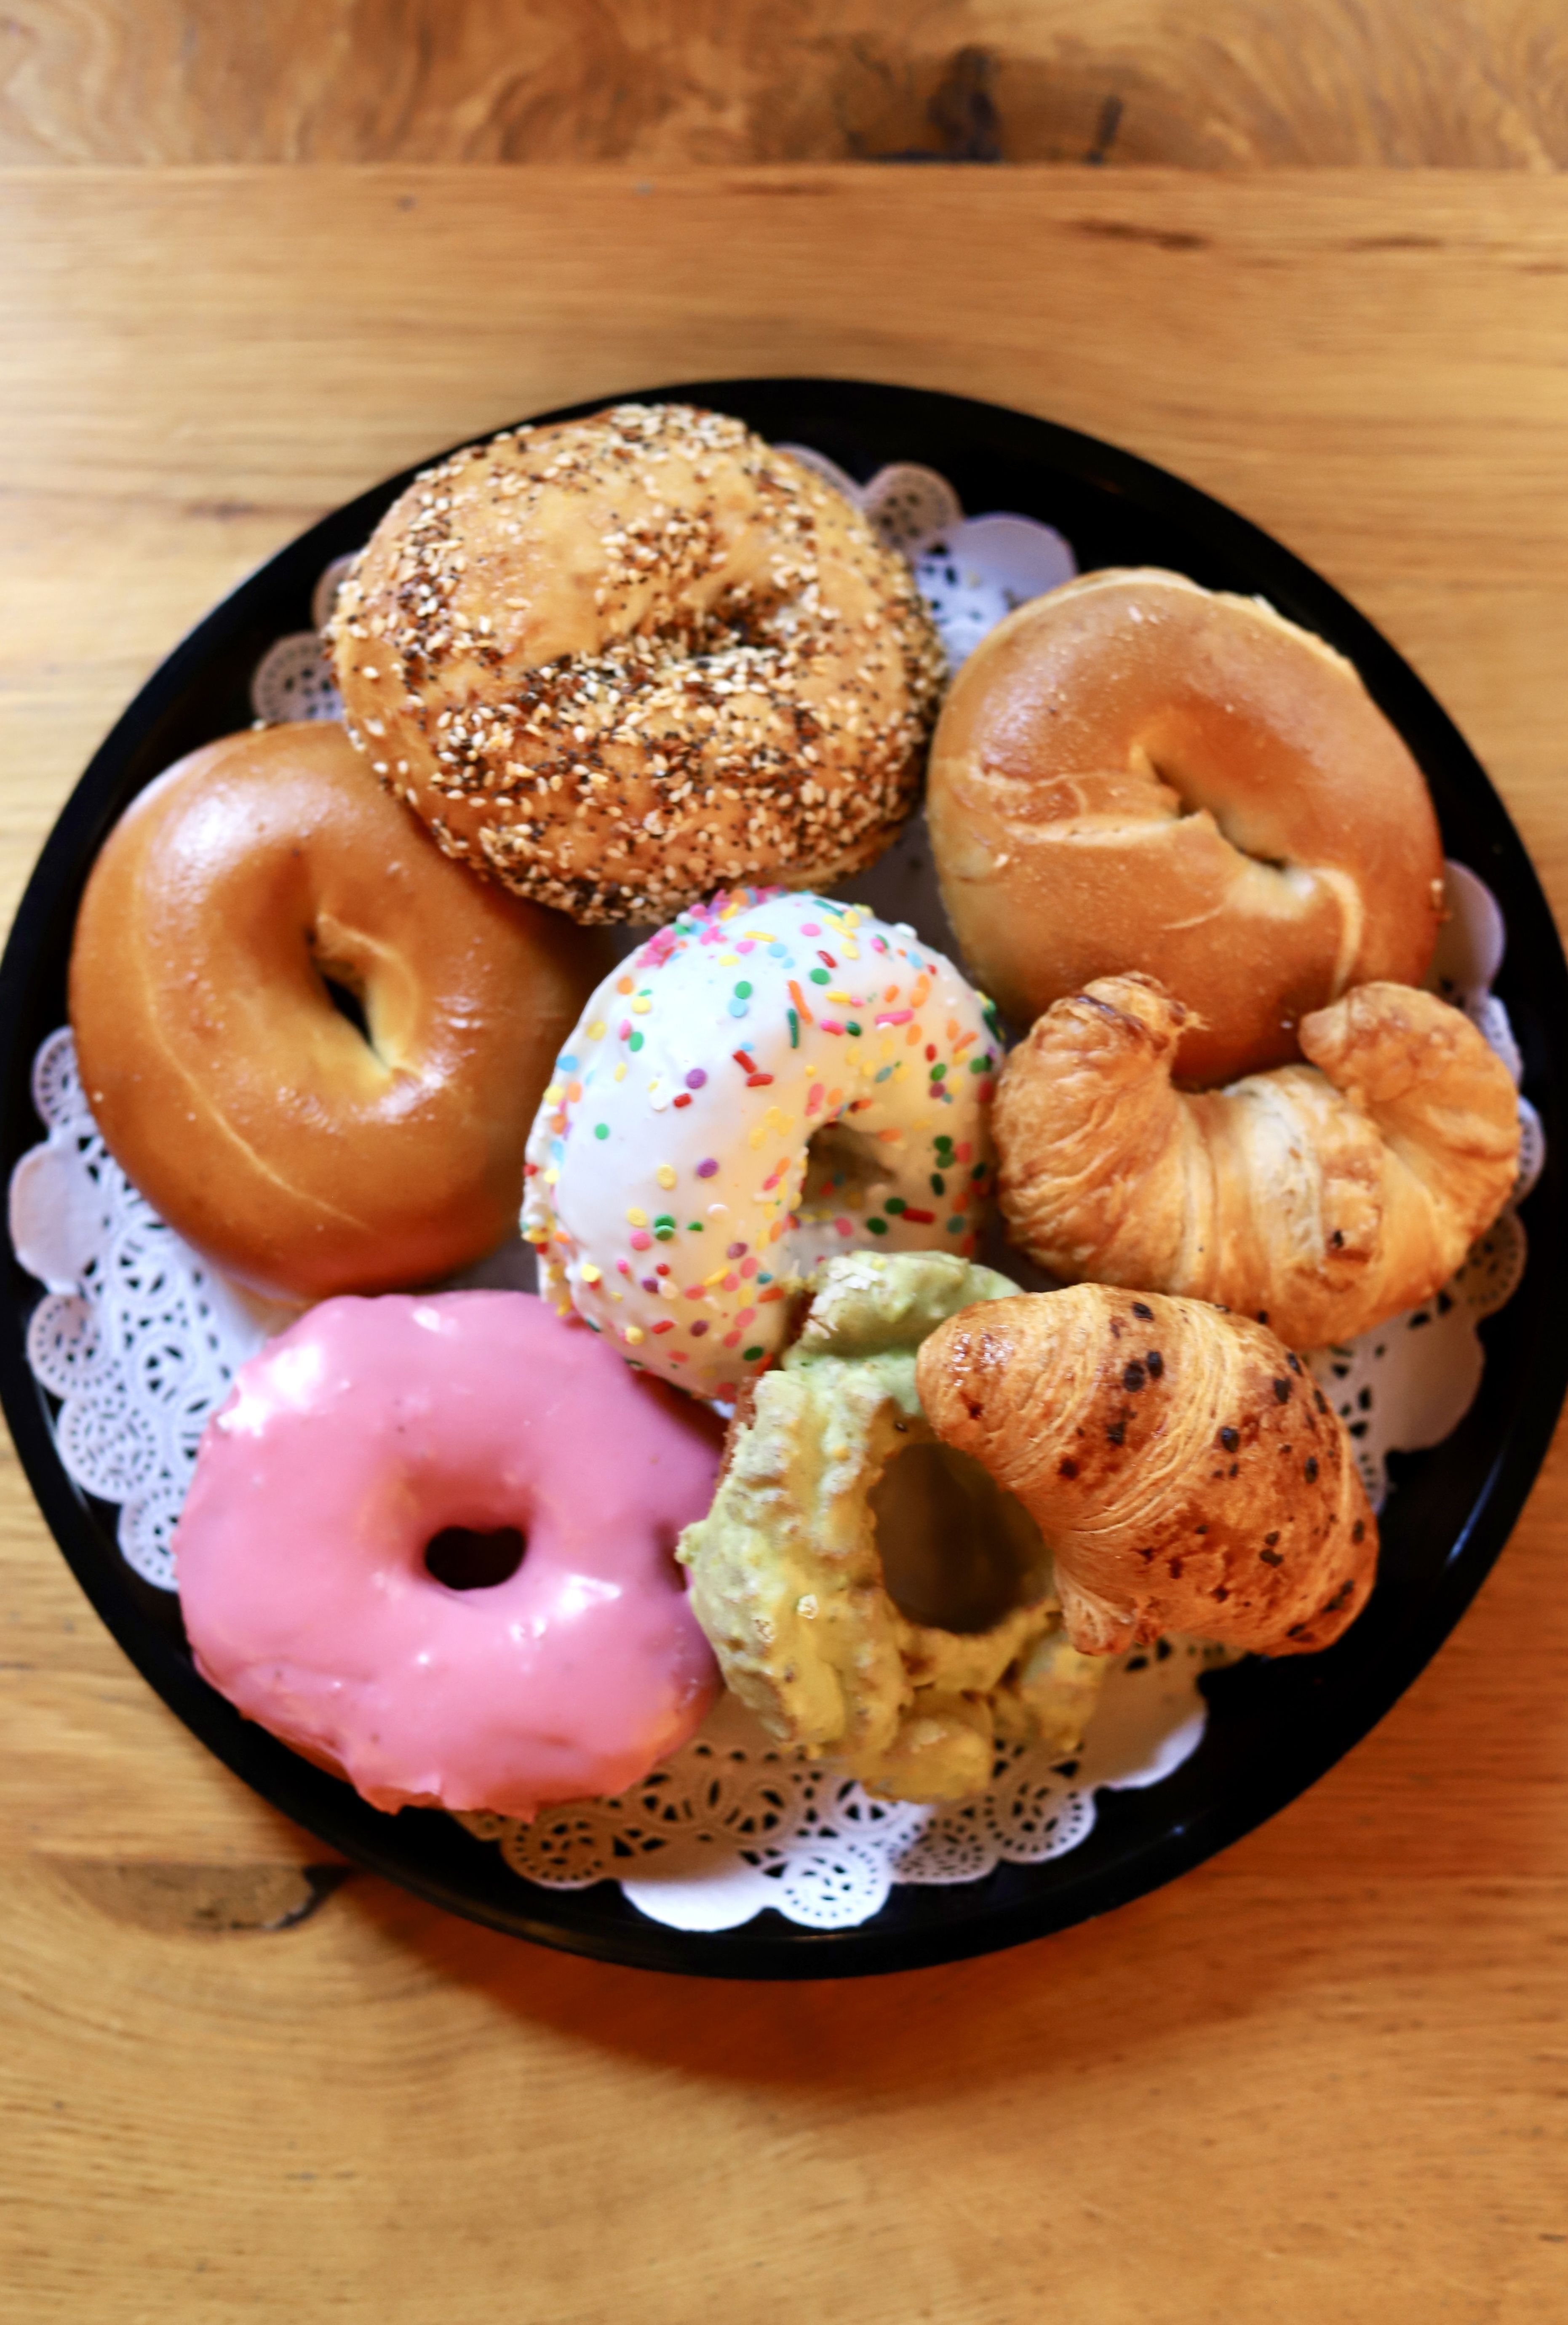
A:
[621,661]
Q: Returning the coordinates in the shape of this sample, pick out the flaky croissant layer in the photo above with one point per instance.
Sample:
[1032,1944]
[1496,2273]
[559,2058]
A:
[1323,1196]
[1184,1468]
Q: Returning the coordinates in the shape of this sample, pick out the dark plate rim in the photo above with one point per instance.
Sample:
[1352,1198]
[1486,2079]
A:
[1012,1911]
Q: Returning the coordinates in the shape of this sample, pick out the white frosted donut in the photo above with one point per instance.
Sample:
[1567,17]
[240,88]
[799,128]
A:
[772,1078]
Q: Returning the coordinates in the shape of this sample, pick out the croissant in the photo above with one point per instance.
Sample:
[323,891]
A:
[1320,1198]
[1181,1464]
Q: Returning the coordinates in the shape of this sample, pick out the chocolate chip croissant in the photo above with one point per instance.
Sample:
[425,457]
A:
[1183,1467]
[1323,1196]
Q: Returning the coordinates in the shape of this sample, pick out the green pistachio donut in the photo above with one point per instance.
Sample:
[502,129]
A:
[834,1488]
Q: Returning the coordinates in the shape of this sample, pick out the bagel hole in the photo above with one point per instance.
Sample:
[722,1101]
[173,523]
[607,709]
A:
[464,1558]
[349,1004]
[1194,795]
[842,1166]
[344,988]
[958,1552]
[1163,772]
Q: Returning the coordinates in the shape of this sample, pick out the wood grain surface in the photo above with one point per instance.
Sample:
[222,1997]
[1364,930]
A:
[667,83]
[1322,2078]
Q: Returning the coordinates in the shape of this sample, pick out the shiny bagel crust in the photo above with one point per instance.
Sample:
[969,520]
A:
[1135,774]
[619,662]
[302,1157]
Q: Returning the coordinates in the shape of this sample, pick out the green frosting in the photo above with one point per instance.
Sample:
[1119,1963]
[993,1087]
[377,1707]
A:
[788,1569]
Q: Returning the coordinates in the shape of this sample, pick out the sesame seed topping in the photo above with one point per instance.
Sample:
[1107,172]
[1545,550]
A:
[726,724]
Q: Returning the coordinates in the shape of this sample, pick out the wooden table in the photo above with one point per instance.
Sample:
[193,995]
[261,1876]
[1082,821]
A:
[662,84]
[1322,2078]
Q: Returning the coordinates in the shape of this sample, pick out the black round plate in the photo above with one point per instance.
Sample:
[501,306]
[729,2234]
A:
[1274,1727]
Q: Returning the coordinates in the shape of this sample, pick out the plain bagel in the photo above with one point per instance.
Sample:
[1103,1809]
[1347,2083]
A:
[305,1155]
[1133,772]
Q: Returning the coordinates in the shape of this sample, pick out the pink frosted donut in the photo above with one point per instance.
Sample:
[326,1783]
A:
[359,1439]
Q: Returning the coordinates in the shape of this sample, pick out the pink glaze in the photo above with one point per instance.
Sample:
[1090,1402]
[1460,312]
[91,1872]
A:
[362,1431]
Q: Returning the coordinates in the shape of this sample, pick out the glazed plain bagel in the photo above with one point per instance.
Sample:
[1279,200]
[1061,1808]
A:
[302,1155]
[619,662]
[1132,772]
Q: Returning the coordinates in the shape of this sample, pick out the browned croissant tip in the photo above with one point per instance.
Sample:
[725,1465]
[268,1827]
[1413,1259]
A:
[1123,993]
[966,1348]
[1369,1009]
[1135,1011]
[1340,1609]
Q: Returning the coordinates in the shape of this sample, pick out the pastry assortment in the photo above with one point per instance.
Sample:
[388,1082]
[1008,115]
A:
[344,1016]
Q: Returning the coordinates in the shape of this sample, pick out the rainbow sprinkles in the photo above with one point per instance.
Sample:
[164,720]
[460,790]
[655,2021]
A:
[772,1078]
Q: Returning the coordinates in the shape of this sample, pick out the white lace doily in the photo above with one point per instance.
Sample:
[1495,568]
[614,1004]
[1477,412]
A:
[1411,1382]
[138,1340]
[970,570]
[735,1822]
[137,1337]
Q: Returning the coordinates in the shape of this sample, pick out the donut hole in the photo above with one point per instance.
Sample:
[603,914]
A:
[842,1167]
[468,1558]
[958,1552]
